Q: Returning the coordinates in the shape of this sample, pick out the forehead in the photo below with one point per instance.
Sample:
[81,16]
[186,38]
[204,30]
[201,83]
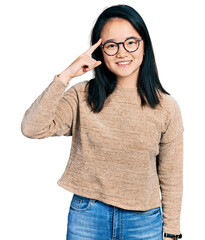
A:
[118,29]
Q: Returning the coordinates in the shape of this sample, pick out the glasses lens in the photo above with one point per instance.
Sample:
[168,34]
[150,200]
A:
[131,45]
[110,48]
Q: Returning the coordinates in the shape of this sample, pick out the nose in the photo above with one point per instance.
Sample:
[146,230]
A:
[122,52]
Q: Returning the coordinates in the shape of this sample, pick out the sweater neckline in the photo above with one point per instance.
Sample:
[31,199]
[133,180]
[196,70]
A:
[124,89]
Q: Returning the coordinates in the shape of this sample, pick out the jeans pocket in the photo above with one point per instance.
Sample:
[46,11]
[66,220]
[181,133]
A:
[80,203]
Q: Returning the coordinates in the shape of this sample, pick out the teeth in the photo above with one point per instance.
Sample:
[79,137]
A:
[123,63]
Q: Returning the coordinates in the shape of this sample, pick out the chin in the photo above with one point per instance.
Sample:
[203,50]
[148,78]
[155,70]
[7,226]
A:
[122,75]
[125,74]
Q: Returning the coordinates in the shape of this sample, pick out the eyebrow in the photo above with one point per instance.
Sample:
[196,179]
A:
[110,40]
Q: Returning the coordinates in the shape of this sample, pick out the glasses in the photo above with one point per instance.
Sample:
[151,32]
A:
[111,48]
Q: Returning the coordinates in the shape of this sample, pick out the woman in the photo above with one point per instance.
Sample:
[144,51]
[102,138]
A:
[127,135]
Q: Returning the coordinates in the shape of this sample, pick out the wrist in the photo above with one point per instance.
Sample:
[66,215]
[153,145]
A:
[64,78]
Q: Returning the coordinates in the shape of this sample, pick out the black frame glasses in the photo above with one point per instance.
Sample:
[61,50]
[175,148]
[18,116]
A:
[123,43]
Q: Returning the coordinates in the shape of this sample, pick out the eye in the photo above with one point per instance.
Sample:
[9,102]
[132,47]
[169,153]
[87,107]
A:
[131,42]
[110,45]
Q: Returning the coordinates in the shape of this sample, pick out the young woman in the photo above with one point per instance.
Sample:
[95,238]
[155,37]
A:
[127,135]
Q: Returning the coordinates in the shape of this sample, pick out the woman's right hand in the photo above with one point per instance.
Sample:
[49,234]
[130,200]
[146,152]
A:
[81,65]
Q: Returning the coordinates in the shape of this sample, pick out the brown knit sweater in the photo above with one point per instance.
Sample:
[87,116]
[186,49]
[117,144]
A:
[113,153]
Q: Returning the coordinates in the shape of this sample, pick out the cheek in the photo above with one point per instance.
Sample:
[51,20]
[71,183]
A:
[138,57]
[108,61]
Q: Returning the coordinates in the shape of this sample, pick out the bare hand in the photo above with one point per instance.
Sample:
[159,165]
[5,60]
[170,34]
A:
[82,64]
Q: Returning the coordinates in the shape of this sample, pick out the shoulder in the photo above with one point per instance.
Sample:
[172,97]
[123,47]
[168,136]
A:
[169,104]
[172,112]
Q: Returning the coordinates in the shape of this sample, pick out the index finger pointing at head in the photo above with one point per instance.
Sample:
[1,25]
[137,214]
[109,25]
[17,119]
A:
[94,46]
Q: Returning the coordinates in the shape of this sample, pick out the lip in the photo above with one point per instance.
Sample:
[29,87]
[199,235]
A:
[124,65]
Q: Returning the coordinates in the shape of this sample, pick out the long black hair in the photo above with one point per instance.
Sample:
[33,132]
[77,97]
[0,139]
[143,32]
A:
[104,82]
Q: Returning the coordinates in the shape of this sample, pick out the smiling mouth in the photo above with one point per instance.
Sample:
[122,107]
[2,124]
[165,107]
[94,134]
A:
[124,63]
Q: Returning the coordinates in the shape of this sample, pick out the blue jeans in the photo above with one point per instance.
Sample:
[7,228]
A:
[90,219]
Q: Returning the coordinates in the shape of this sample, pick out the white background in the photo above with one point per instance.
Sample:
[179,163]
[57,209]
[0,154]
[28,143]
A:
[40,39]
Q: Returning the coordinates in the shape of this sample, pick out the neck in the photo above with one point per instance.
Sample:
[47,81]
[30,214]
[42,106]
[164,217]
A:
[128,82]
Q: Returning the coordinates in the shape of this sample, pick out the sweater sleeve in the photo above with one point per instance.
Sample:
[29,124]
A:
[51,114]
[170,169]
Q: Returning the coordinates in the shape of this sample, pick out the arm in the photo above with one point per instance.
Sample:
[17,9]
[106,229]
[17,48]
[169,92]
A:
[170,169]
[51,114]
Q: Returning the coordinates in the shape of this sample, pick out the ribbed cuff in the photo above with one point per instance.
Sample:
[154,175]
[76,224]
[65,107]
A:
[56,78]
